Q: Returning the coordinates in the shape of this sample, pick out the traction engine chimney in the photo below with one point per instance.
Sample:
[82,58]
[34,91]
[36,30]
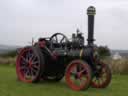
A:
[91,13]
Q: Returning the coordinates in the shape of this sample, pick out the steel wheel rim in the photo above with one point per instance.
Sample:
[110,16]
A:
[28,65]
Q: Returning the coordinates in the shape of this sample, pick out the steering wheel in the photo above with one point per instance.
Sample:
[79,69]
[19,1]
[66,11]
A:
[58,39]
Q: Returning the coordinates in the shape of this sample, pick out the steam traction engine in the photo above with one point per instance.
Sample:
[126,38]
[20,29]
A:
[55,57]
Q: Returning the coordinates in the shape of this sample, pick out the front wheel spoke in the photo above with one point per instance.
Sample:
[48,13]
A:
[94,79]
[104,75]
[73,73]
[103,70]
[77,82]
[82,71]
[102,80]
[82,79]
[82,82]
[78,68]
[98,82]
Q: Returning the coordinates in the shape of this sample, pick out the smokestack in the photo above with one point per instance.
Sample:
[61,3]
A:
[91,12]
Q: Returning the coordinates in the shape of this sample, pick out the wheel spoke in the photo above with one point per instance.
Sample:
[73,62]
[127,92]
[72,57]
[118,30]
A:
[78,68]
[62,39]
[98,82]
[23,63]
[73,73]
[32,73]
[27,73]
[24,59]
[33,57]
[23,67]
[35,62]
[35,66]
[82,71]
[34,70]
[56,39]
[103,71]
[94,79]
[59,38]
[101,80]
[28,55]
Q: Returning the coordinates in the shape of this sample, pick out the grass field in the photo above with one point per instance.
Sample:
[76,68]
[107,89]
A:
[10,86]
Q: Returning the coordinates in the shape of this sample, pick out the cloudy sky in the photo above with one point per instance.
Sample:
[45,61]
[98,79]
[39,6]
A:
[20,20]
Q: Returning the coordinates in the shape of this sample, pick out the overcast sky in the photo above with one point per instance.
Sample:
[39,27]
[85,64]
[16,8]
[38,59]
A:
[20,20]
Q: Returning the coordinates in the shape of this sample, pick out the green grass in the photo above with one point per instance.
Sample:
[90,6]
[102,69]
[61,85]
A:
[10,86]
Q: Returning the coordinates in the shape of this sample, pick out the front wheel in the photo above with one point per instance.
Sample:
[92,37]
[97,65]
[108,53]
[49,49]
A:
[103,77]
[78,75]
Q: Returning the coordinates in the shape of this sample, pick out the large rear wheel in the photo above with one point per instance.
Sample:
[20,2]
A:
[28,65]
[78,75]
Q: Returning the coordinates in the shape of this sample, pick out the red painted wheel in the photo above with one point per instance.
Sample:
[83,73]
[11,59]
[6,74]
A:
[28,65]
[78,75]
[103,78]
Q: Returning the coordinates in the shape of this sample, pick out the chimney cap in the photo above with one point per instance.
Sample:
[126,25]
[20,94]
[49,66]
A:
[91,10]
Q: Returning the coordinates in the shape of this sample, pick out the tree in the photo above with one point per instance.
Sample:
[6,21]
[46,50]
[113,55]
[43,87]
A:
[104,51]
